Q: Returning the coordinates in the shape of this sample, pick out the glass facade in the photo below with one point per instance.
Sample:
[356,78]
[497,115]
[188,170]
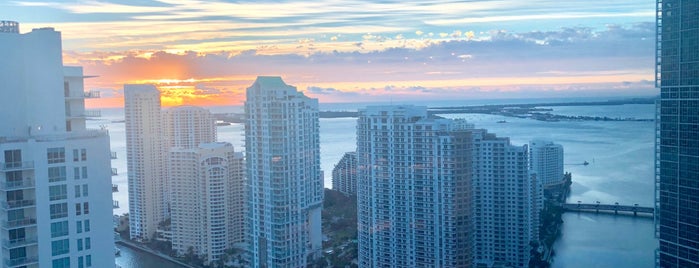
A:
[678,133]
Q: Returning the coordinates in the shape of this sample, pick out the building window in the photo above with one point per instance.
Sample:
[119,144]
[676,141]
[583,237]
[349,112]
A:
[59,210]
[88,243]
[75,155]
[79,226]
[18,253]
[13,158]
[61,263]
[84,173]
[57,174]
[87,225]
[80,244]
[80,261]
[78,209]
[88,260]
[77,191]
[84,189]
[56,155]
[83,154]
[58,192]
[86,208]
[76,173]
[59,229]
[59,247]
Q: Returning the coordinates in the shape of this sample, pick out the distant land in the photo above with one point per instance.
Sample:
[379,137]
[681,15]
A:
[531,110]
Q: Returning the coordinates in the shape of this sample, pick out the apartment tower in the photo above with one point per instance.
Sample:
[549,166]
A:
[285,183]
[145,149]
[546,161]
[677,142]
[345,174]
[414,193]
[507,200]
[55,174]
[207,206]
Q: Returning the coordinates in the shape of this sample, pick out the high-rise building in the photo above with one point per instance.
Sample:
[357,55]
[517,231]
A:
[207,207]
[186,127]
[507,200]
[414,194]
[345,174]
[285,182]
[145,149]
[55,174]
[546,161]
[677,142]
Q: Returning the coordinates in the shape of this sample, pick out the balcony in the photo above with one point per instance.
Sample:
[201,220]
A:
[20,242]
[115,204]
[20,261]
[18,204]
[115,188]
[93,94]
[14,166]
[16,185]
[114,172]
[83,115]
[113,155]
[19,223]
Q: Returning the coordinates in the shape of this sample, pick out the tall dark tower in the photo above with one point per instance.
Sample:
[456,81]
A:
[677,143]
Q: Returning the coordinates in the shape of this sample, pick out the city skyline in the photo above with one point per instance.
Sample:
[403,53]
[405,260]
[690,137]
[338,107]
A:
[205,53]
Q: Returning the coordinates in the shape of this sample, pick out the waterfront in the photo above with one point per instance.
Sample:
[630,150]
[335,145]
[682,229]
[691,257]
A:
[621,170]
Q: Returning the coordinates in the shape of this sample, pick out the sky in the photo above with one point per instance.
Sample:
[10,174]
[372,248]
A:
[208,52]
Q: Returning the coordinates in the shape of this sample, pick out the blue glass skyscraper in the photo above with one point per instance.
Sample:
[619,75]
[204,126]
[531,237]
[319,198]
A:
[677,164]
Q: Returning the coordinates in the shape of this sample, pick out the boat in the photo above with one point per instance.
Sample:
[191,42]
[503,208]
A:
[502,121]
[586,163]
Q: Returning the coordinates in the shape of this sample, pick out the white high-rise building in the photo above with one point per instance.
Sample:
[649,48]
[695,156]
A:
[345,174]
[546,161]
[414,192]
[507,200]
[55,174]
[207,202]
[188,126]
[285,182]
[145,149]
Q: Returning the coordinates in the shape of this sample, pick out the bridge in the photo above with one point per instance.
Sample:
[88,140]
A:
[616,208]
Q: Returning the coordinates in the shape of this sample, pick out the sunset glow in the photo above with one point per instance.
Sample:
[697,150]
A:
[208,52]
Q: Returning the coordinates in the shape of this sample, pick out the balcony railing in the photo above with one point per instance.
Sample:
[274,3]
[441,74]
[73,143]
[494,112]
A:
[20,242]
[84,114]
[20,261]
[19,223]
[113,155]
[114,172]
[18,204]
[115,204]
[115,188]
[92,94]
[13,166]
[15,185]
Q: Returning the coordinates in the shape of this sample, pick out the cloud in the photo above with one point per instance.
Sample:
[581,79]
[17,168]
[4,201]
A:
[506,60]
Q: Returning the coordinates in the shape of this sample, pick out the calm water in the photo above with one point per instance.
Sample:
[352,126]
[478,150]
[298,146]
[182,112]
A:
[621,170]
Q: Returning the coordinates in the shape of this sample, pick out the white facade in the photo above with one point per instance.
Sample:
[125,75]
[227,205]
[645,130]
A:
[546,161]
[55,175]
[507,201]
[285,183]
[187,127]
[145,149]
[413,188]
[345,174]
[207,202]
